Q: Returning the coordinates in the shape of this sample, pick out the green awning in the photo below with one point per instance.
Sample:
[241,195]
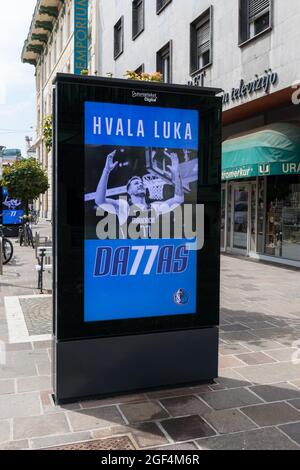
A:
[271,150]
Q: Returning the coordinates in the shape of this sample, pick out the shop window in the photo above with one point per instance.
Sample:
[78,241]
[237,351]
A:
[161,5]
[119,38]
[164,62]
[255,18]
[283,217]
[201,42]
[138,20]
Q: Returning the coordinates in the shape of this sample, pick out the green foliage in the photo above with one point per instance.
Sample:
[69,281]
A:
[145,77]
[25,180]
[47,132]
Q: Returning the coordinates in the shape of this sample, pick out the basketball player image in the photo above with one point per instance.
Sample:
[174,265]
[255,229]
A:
[126,210]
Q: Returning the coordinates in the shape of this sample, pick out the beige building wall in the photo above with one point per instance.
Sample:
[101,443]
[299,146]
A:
[57,57]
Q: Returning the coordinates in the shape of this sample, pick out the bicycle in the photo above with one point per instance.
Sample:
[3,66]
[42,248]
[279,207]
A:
[34,217]
[7,248]
[25,232]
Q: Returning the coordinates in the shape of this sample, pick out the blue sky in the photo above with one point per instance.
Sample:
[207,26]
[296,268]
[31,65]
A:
[17,82]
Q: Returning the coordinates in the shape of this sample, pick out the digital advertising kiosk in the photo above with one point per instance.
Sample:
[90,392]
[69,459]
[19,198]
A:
[136,204]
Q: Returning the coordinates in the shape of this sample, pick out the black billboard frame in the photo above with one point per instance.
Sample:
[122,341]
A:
[77,346]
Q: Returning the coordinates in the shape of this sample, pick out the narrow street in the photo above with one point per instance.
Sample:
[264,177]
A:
[254,404]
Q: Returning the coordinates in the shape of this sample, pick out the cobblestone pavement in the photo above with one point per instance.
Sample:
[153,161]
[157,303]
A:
[254,404]
[37,313]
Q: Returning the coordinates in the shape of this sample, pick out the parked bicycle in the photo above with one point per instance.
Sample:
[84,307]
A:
[25,232]
[7,248]
[34,217]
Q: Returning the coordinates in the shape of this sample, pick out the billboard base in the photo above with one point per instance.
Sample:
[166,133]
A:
[125,364]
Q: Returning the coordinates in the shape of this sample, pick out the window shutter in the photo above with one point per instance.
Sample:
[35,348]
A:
[140,16]
[203,38]
[256,7]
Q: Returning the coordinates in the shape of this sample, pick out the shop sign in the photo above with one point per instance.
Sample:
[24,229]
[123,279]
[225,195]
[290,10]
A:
[261,169]
[246,90]
[81,36]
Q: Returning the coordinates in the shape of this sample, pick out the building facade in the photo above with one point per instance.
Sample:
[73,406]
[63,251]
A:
[50,48]
[249,49]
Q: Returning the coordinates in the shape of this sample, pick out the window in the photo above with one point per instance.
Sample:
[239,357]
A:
[201,41]
[164,62]
[118,38]
[255,18]
[161,5]
[68,24]
[137,18]
[140,69]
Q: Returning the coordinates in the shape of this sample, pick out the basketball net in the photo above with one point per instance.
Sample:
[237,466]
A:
[155,186]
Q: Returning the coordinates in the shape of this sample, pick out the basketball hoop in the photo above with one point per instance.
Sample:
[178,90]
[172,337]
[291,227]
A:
[155,186]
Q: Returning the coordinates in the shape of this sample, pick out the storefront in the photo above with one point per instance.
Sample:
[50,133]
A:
[261,193]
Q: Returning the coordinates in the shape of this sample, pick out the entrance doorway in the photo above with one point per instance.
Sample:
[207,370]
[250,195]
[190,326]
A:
[239,217]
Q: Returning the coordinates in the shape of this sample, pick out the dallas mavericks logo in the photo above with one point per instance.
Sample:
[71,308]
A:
[181,297]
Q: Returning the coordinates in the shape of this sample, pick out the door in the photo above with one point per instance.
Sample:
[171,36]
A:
[240,220]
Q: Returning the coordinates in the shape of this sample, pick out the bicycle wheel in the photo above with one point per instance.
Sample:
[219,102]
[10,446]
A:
[30,237]
[7,250]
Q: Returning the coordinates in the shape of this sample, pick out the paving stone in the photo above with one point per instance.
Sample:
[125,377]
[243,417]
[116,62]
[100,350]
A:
[263,345]
[271,373]
[94,418]
[234,327]
[44,369]
[6,387]
[187,428]
[37,312]
[229,378]
[31,384]
[15,445]
[13,406]
[258,439]
[292,430]
[18,347]
[276,392]
[148,435]
[228,421]
[42,344]
[37,426]
[295,403]
[296,383]
[272,414]
[186,405]
[17,367]
[50,441]
[255,358]
[230,349]
[175,392]
[237,337]
[258,325]
[117,443]
[186,446]
[147,411]
[230,361]
[113,401]
[283,355]
[226,399]
[4,430]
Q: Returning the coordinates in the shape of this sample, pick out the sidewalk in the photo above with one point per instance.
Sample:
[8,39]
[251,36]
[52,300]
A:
[255,403]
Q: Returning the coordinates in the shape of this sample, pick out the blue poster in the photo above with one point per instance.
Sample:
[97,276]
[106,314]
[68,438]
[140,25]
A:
[141,173]
[12,209]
